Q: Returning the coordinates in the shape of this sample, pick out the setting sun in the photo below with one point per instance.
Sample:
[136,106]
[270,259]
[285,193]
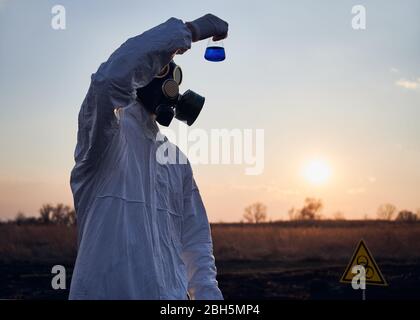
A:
[317,172]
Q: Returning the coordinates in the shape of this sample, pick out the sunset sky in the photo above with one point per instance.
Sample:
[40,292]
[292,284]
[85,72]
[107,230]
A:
[340,108]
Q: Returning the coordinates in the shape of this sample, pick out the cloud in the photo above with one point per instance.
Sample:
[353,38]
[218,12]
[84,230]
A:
[358,190]
[408,84]
[394,70]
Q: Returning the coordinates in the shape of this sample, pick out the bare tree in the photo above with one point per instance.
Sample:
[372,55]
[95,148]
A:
[58,214]
[386,211]
[255,213]
[62,214]
[406,215]
[311,209]
[46,213]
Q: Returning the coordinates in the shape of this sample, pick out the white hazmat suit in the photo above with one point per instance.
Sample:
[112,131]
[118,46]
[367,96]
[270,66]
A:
[143,231]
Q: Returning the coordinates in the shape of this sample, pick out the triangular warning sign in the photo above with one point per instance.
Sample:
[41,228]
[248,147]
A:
[362,256]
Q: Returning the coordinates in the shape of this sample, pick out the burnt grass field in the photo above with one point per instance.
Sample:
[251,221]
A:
[283,260]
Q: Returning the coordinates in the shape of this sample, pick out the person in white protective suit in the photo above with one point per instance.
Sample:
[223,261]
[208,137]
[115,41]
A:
[143,231]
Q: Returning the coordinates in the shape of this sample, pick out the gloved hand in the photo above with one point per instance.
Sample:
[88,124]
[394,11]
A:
[208,26]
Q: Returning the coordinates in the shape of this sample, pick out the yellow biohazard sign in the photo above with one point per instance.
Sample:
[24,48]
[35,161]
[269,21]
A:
[363,257]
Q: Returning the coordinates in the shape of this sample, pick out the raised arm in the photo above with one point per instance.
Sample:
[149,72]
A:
[139,59]
[131,66]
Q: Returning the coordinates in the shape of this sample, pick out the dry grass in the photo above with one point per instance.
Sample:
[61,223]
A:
[37,243]
[325,240]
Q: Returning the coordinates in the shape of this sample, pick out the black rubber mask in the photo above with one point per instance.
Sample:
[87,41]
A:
[161,97]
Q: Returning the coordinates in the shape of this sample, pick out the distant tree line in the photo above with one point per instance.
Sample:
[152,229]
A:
[311,210]
[59,214]
[388,211]
[257,212]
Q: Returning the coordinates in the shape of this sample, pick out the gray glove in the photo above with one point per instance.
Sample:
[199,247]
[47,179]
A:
[208,26]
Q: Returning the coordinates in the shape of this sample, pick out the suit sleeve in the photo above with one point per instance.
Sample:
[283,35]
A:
[198,247]
[131,66]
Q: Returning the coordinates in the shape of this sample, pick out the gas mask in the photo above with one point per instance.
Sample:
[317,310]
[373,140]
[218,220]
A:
[162,98]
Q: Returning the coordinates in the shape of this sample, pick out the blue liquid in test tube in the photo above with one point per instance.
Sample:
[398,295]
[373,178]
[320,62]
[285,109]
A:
[215,53]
